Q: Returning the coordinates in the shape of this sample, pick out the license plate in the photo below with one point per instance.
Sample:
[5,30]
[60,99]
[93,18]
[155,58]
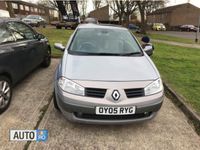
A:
[101,110]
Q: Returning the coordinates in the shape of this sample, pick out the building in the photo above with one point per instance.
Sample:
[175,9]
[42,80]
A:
[20,9]
[102,14]
[177,15]
[107,15]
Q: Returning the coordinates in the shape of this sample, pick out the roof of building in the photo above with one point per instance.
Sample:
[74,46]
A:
[170,8]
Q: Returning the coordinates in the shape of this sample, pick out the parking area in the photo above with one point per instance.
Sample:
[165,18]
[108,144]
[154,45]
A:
[32,108]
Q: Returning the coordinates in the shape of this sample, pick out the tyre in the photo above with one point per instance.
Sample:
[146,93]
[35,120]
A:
[5,93]
[47,59]
[73,28]
[55,102]
[38,24]
[58,27]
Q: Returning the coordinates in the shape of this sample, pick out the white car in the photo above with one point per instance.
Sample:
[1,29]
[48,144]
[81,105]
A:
[4,13]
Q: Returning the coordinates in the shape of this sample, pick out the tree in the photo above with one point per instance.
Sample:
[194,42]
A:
[145,7]
[123,9]
[48,3]
[117,8]
[10,9]
[83,7]
[129,9]
[54,4]
[96,4]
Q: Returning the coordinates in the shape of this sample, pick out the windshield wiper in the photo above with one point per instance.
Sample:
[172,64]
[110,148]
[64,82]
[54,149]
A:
[131,54]
[108,54]
[100,54]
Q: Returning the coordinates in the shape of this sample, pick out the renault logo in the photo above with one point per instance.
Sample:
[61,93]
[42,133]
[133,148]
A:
[115,95]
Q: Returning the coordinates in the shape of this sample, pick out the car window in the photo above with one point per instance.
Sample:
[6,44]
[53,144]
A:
[5,36]
[102,40]
[21,31]
[32,17]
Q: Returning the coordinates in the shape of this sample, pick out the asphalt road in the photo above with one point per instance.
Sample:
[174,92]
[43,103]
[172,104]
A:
[169,130]
[187,35]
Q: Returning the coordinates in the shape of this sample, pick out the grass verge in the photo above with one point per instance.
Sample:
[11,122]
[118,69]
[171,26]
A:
[56,36]
[171,38]
[180,68]
[167,38]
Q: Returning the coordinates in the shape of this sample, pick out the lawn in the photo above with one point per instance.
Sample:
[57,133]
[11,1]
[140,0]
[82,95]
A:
[179,66]
[56,35]
[167,38]
[171,38]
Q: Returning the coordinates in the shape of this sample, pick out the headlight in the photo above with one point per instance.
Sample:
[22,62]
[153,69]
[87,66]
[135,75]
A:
[70,86]
[154,87]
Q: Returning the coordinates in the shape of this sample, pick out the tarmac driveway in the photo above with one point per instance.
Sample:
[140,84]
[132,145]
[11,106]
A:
[169,130]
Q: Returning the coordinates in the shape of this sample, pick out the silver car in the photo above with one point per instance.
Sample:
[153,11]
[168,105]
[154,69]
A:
[105,77]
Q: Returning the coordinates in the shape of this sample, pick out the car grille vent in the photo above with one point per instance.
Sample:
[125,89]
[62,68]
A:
[131,93]
[95,92]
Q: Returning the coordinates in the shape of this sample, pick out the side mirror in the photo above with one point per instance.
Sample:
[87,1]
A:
[40,36]
[148,48]
[59,46]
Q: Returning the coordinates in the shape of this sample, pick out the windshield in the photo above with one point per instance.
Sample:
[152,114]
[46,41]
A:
[101,41]
[32,17]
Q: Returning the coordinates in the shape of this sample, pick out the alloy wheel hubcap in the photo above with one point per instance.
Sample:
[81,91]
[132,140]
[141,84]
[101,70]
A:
[4,93]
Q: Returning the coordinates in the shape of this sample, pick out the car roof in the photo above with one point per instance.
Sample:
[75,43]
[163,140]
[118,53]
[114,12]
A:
[103,26]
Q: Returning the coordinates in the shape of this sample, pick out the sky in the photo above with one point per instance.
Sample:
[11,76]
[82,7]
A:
[176,2]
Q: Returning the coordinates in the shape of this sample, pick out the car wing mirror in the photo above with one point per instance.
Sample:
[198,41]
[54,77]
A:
[59,46]
[39,36]
[148,48]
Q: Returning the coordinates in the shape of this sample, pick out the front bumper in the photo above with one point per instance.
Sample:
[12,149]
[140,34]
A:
[76,110]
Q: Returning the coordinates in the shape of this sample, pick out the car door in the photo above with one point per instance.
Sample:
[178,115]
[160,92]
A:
[34,47]
[11,55]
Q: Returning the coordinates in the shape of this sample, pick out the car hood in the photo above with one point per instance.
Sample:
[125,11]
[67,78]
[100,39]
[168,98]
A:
[108,68]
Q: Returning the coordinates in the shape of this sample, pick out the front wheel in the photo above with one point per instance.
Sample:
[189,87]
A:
[38,24]
[5,93]
[47,59]
[55,102]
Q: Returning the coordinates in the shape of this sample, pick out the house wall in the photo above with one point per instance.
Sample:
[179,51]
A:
[186,14]
[179,15]
[164,18]
[22,9]
[102,14]
[3,5]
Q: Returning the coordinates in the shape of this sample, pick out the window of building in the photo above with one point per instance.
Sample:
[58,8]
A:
[26,8]
[36,10]
[21,7]
[32,10]
[14,6]
[43,11]
[39,10]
